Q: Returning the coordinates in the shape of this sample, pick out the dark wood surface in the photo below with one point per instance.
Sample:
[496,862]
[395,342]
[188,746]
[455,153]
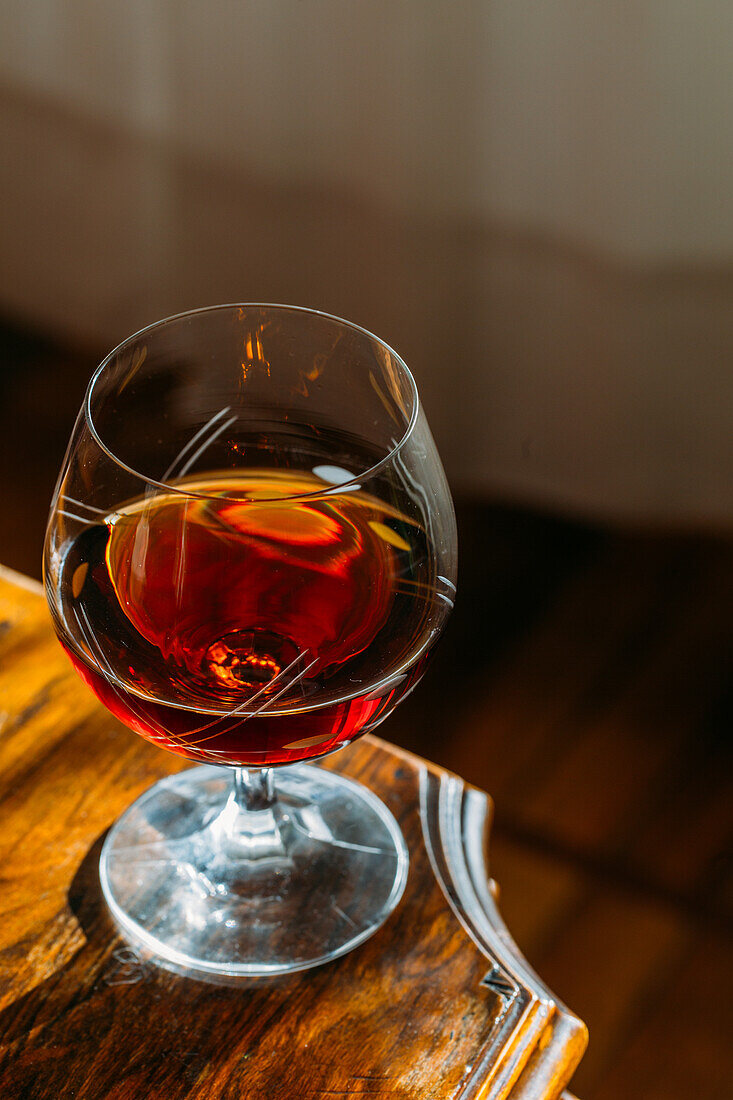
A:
[585,681]
[599,717]
[406,1015]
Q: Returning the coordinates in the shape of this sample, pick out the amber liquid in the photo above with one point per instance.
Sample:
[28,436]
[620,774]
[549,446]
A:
[243,627]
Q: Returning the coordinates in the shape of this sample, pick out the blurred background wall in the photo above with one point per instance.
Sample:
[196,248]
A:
[532,202]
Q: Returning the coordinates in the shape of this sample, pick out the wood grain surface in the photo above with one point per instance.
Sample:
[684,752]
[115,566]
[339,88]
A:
[408,1014]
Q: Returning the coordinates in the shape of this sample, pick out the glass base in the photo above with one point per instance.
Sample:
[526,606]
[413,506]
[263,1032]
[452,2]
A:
[220,893]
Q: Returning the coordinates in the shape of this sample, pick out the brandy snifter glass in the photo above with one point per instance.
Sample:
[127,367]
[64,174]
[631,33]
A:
[250,555]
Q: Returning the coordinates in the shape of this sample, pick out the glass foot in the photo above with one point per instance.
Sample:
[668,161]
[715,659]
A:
[218,893]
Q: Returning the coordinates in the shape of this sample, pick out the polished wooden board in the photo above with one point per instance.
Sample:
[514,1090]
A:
[437,1004]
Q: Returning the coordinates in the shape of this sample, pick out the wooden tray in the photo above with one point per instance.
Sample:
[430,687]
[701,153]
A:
[438,1004]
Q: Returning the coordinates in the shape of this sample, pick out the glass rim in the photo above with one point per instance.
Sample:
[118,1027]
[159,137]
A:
[328,490]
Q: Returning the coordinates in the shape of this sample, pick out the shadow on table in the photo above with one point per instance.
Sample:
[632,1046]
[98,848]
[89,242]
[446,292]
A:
[107,1017]
[69,985]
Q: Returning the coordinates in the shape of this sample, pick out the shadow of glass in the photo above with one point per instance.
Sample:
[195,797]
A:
[108,1016]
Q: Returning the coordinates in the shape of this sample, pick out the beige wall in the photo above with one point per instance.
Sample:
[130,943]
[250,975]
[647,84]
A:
[534,202]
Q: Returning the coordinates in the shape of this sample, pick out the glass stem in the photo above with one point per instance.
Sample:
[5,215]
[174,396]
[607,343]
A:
[254,789]
[249,826]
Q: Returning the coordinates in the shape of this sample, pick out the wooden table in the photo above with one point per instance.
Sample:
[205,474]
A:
[438,1004]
